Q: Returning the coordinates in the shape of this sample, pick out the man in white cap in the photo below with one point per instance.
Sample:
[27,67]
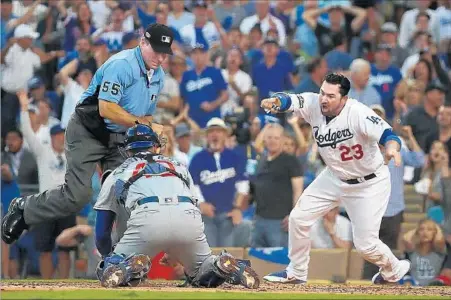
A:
[219,176]
[20,60]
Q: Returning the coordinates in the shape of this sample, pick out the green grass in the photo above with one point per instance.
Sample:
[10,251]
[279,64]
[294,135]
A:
[123,294]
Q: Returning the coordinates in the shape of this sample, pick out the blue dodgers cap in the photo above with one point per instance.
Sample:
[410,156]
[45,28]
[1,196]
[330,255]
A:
[100,42]
[35,82]
[200,46]
[200,3]
[56,129]
[128,37]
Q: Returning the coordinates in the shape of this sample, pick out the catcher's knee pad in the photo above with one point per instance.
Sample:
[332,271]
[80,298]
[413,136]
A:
[207,280]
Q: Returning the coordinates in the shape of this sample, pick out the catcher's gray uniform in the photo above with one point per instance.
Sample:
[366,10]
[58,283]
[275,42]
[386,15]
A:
[163,215]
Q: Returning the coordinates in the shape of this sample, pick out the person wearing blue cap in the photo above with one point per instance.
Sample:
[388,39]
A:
[203,88]
[124,90]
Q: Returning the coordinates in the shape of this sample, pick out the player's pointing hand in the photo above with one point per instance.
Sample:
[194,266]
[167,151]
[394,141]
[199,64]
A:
[271,105]
[393,153]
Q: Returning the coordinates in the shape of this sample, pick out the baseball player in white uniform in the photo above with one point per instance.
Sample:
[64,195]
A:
[348,135]
[158,195]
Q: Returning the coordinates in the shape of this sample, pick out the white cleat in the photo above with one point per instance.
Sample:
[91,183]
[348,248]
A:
[404,266]
[282,277]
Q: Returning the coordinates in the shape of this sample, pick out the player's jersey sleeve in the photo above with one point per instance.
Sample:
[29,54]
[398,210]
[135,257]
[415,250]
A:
[369,124]
[304,104]
[117,76]
[107,197]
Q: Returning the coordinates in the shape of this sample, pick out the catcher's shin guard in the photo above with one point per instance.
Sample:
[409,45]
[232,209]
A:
[237,271]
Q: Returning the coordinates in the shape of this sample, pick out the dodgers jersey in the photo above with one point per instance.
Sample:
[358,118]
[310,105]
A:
[349,143]
[156,181]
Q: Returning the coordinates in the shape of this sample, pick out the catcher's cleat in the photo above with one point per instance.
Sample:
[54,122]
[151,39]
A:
[282,277]
[131,271]
[241,271]
[404,266]
[13,223]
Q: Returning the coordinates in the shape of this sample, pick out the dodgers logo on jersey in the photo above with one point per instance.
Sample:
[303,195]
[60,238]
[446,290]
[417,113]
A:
[331,138]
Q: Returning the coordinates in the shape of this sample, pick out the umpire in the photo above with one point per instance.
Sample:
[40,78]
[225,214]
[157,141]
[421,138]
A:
[123,90]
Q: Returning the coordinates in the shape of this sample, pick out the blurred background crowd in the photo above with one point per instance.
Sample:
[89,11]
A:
[228,55]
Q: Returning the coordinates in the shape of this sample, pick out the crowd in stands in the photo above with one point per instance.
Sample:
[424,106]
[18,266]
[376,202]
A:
[249,168]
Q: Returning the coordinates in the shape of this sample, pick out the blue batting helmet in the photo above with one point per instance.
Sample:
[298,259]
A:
[141,136]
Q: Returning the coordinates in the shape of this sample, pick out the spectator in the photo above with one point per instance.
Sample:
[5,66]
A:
[408,22]
[360,88]
[425,246]
[338,59]
[444,277]
[20,61]
[203,88]
[101,52]
[24,7]
[72,91]
[130,40]
[304,37]
[389,36]
[346,19]
[271,75]
[333,231]
[113,32]
[51,169]
[177,66]
[422,119]
[169,102]
[206,29]
[279,172]
[219,174]
[178,17]
[161,14]
[77,26]
[442,75]
[239,82]
[266,21]
[423,72]
[412,156]
[429,185]
[385,77]
[170,149]
[38,92]
[102,11]
[229,14]
[443,134]
[18,163]
[80,58]
[183,136]
[420,48]
[299,140]
[282,11]
[8,21]
[46,122]
[443,22]
[316,69]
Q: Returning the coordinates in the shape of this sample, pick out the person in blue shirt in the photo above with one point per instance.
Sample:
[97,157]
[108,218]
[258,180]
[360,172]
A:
[338,59]
[219,176]
[385,77]
[203,87]
[123,91]
[271,74]
[316,69]
[6,30]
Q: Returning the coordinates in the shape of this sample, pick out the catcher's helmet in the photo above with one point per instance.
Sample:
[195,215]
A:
[141,136]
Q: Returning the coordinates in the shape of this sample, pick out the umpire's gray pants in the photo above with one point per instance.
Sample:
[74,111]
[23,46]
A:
[177,230]
[83,152]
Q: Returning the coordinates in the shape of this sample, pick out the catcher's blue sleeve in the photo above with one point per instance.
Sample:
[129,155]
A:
[104,226]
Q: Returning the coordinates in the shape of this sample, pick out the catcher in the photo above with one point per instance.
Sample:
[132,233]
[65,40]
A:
[158,195]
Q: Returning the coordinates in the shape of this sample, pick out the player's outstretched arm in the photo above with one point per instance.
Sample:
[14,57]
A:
[392,150]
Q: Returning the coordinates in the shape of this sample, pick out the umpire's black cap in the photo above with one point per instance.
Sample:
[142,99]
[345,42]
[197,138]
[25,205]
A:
[160,38]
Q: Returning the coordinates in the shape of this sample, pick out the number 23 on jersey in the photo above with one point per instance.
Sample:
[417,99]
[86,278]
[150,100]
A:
[350,153]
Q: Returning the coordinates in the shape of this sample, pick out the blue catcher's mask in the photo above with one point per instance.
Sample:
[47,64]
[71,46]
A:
[141,136]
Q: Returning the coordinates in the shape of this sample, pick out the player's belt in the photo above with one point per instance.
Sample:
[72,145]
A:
[360,180]
[156,199]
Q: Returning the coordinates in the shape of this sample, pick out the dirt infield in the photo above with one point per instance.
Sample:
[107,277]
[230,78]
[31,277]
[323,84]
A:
[169,286]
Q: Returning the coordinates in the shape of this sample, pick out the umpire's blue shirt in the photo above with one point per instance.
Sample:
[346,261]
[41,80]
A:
[123,79]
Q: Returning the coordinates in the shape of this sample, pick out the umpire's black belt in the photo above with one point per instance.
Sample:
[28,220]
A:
[156,199]
[360,180]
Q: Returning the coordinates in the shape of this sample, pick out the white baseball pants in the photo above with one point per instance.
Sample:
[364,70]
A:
[365,204]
